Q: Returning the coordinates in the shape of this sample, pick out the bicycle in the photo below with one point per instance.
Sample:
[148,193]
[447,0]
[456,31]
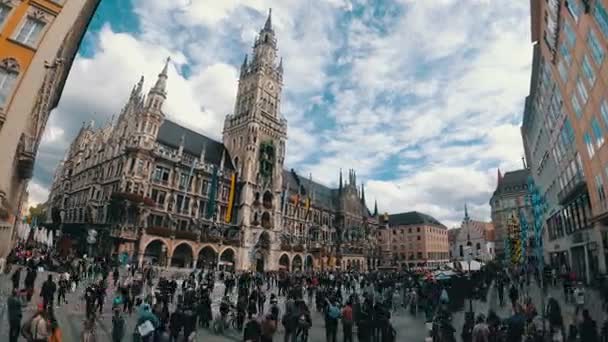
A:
[222,323]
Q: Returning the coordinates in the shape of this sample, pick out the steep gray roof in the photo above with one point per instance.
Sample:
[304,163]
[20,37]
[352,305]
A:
[170,134]
[411,218]
[513,182]
[322,195]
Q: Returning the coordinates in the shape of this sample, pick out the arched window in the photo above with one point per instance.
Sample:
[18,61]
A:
[9,71]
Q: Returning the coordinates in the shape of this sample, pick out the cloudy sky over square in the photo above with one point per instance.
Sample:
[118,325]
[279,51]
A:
[422,98]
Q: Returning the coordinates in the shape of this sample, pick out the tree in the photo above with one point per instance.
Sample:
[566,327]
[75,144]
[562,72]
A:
[38,213]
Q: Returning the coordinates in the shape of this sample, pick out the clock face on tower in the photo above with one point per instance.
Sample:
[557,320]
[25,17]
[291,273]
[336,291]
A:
[270,86]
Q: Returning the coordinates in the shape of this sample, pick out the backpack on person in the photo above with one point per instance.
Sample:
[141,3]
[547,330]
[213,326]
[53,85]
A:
[333,312]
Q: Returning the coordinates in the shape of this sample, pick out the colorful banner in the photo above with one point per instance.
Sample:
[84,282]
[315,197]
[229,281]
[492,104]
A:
[539,209]
[228,217]
[514,237]
[523,223]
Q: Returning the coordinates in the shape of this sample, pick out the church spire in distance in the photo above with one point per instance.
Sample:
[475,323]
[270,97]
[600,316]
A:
[375,208]
[161,82]
[158,93]
[268,24]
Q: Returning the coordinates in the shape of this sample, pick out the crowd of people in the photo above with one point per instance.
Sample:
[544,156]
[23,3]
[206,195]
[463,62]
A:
[361,305]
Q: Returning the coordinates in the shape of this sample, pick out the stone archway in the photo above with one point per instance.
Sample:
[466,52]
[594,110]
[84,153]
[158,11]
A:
[227,259]
[284,262]
[309,264]
[207,258]
[156,252]
[182,256]
[296,264]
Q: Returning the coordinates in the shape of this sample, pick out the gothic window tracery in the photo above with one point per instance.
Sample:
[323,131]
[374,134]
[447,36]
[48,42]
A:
[9,72]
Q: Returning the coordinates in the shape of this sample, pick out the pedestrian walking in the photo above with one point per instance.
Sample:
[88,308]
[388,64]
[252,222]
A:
[347,322]
[56,333]
[253,331]
[118,325]
[332,315]
[588,328]
[268,328]
[48,292]
[16,277]
[15,314]
[481,331]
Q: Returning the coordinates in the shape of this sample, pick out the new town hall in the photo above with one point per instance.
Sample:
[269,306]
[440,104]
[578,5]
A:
[150,189]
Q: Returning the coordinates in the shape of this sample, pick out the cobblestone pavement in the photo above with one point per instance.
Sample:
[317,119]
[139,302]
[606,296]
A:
[70,316]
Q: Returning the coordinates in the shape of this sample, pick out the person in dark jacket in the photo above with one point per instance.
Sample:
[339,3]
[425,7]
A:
[253,331]
[176,323]
[16,278]
[189,323]
[48,291]
[205,313]
[588,328]
[118,326]
[14,316]
[30,279]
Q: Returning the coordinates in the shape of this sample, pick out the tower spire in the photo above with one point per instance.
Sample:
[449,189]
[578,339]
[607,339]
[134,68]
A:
[340,187]
[161,82]
[140,85]
[466,212]
[499,177]
[363,193]
[158,93]
[375,208]
[268,24]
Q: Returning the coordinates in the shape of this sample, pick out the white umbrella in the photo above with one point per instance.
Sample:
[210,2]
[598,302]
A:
[28,230]
[49,240]
[41,235]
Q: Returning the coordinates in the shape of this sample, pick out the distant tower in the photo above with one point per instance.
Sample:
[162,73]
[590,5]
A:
[255,135]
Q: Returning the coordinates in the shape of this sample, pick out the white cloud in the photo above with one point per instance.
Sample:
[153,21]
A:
[37,194]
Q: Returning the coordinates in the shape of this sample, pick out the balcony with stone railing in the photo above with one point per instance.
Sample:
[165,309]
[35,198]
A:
[574,187]
[159,231]
[26,156]
[187,235]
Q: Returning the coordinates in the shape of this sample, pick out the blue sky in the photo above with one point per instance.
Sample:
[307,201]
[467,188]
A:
[422,98]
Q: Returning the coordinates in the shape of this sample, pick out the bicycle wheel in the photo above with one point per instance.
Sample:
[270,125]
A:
[234,323]
[218,327]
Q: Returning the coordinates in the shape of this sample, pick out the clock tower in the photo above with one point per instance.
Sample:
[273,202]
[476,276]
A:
[255,135]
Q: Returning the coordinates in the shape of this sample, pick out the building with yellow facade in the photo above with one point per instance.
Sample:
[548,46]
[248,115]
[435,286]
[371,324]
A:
[38,43]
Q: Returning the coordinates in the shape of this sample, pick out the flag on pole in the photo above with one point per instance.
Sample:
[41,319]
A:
[212,195]
[228,217]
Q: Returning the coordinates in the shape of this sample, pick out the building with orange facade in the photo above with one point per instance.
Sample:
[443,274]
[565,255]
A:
[413,239]
[38,42]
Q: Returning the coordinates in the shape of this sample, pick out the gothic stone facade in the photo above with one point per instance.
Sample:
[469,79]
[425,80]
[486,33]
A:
[149,182]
